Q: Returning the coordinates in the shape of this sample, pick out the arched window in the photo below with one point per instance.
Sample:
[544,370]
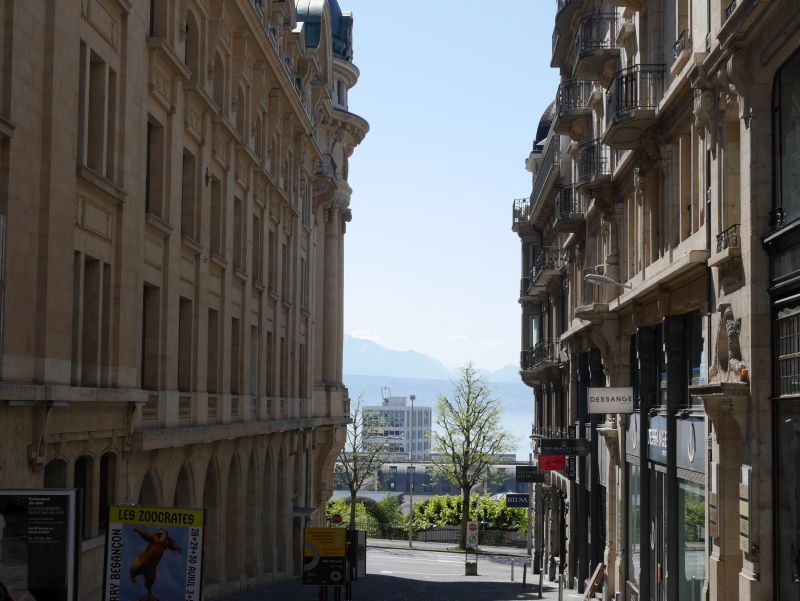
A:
[83,482]
[786,142]
[148,495]
[183,490]
[219,82]
[108,491]
[55,474]
[192,48]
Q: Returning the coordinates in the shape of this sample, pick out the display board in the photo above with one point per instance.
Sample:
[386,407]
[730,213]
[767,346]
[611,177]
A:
[38,545]
[324,556]
[154,553]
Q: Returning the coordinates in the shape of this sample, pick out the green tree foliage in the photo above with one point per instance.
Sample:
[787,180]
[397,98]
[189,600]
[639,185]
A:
[468,438]
[446,510]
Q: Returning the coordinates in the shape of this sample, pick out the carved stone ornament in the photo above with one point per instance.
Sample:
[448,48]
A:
[707,114]
[639,185]
[728,362]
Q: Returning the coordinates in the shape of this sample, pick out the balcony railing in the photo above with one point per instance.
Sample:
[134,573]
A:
[544,351]
[548,162]
[521,210]
[680,45]
[639,87]
[728,238]
[596,32]
[729,10]
[549,259]
[573,95]
[569,204]
[593,162]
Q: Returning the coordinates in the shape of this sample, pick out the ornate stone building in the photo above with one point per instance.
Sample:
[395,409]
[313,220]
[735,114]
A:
[173,203]
[659,252]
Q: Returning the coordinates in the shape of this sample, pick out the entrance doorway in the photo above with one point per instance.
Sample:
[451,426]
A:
[658,531]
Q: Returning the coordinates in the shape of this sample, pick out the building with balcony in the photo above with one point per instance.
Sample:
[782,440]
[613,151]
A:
[173,203]
[668,265]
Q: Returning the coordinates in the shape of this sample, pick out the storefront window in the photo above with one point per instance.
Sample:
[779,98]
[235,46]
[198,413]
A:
[787,368]
[634,524]
[695,352]
[786,125]
[788,499]
[691,505]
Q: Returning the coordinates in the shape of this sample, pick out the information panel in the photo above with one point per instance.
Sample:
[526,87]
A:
[38,543]
[154,553]
[324,556]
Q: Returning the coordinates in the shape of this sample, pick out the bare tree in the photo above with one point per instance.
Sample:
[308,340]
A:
[363,453]
[469,437]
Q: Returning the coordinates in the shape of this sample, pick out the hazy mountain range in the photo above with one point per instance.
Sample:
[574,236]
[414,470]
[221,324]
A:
[369,368]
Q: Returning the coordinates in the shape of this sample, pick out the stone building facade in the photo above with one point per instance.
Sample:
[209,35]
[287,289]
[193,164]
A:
[173,203]
[659,252]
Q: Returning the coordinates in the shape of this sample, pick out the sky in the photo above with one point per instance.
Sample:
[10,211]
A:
[453,91]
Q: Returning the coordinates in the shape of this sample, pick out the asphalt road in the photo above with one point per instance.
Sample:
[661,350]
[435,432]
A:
[414,575]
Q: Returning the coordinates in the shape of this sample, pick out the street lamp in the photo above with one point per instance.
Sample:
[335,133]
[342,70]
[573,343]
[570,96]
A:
[602,280]
[411,469]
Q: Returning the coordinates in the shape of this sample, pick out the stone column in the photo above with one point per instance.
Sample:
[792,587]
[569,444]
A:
[330,309]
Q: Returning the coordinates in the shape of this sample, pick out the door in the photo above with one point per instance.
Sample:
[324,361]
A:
[658,529]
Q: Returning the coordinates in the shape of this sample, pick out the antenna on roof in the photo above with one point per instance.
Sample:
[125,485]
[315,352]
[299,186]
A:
[386,393]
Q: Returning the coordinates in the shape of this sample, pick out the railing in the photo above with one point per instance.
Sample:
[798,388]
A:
[680,45]
[521,210]
[544,350]
[211,411]
[548,162]
[568,203]
[184,408]
[593,161]
[596,32]
[728,238]
[637,87]
[549,259]
[729,10]
[572,95]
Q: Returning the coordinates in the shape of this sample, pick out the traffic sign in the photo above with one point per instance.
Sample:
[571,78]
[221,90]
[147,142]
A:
[529,473]
[472,535]
[563,446]
[517,500]
[336,518]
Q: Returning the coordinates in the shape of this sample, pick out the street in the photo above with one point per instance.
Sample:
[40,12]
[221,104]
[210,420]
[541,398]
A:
[402,574]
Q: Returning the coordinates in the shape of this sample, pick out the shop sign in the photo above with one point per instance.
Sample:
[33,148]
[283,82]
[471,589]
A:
[572,468]
[324,556]
[154,552]
[611,400]
[563,446]
[529,473]
[657,439]
[552,462]
[517,500]
[39,546]
[691,454]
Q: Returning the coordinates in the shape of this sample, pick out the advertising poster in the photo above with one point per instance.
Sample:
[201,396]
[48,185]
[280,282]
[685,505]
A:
[38,544]
[324,556]
[154,554]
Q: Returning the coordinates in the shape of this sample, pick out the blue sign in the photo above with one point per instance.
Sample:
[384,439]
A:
[517,500]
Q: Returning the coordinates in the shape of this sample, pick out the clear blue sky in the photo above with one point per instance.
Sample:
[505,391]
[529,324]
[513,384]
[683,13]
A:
[453,91]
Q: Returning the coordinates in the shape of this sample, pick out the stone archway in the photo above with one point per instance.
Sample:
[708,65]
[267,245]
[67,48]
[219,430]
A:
[268,512]
[211,503]
[183,490]
[252,502]
[148,491]
[233,523]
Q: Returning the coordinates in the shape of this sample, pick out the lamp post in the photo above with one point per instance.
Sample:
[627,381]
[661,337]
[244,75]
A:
[411,469]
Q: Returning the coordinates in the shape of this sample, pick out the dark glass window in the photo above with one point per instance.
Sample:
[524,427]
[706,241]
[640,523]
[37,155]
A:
[786,143]
[787,365]
[634,524]
[691,562]
[787,495]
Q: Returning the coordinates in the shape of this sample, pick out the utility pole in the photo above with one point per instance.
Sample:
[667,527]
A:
[411,469]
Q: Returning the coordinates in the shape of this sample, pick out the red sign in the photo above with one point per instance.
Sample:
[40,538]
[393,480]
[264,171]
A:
[336,518]
[472,526]
[552,462]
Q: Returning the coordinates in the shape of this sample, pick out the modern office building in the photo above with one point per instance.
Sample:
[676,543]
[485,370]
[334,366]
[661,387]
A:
[660,253]
[404,430]
[173,203]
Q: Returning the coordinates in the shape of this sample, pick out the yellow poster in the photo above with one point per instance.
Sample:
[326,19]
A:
[324,542]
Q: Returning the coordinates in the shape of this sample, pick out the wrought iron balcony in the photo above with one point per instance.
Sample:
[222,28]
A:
[595,43]
[543,354]
[730,8]
[548,172]
[631,102]
[561,39]
[521,211]
[546,268]
[572,106]
[594,166]
[728,238]
[680,45]
[569,210]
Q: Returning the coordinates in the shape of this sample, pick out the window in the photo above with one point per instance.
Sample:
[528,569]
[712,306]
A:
[634,524]
[241,112]
[786,142]
[90,325]
[212,366]
[189,210]
[238,234]
[154,175]
[158,18]
[255,360]
[269,383]
[151,316]
[217,218]
[692,540]
[285,292]
[236,375]
[272,280]
[192,47]
[284,362]
[219,82]
[96,113]
[787,485]
[258,250]
[185,346]
[55,474]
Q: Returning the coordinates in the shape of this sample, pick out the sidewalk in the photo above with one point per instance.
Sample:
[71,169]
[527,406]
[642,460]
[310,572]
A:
[383,543]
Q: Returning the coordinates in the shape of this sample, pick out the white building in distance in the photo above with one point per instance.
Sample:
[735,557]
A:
[407,430]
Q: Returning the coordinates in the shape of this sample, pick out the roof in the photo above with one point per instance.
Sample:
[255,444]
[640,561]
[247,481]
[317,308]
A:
[310,13]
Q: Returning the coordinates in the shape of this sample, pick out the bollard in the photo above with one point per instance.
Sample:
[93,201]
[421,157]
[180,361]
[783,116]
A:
[512,570]
[524,573]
